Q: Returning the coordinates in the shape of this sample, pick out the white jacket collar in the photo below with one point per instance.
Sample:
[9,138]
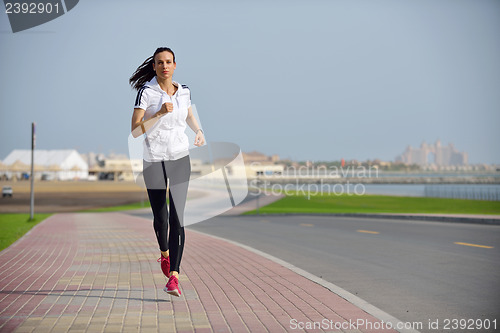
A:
[156,86]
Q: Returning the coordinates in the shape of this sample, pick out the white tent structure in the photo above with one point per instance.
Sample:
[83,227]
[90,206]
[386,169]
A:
[53,164]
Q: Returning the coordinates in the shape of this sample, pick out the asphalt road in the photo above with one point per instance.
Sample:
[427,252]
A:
[413,270]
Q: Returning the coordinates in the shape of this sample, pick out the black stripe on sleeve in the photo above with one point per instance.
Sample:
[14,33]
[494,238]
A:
[139,95]
[186,87]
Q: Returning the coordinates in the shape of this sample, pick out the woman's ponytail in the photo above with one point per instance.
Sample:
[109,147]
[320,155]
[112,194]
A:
[145,72]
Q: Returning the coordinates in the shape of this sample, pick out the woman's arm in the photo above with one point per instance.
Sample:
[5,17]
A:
[140,126]
[199,140]
[137,122]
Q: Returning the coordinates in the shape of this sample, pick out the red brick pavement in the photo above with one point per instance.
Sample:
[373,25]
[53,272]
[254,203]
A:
[98,272]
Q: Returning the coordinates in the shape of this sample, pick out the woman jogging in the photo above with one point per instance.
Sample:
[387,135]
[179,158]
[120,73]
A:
[161,112]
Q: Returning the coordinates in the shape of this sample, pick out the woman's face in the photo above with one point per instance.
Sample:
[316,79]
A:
[164,65]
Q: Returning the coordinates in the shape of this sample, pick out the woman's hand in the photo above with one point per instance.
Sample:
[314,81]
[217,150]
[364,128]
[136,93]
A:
[199,140]
[165,108]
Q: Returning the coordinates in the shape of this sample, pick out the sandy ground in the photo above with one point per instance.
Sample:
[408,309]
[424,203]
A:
[52,197]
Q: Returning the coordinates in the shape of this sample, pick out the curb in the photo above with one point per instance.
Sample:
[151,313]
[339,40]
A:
[353,299]
[431,218]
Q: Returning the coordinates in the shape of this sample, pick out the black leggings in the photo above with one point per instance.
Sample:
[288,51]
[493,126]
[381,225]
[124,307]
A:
[156,177]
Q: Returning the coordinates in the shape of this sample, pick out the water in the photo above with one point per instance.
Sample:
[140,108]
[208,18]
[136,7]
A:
[466,191]
[459,191]
[440,175]
[374,173]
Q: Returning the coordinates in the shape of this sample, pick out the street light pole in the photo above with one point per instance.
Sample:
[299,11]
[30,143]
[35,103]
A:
[32,194]
[258,193]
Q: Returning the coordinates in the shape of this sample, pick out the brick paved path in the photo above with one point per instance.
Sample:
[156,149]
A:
[91,272]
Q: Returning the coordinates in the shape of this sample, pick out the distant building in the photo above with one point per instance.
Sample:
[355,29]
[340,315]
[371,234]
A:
[258,164]
[256,156]
[433,154]
[49,164]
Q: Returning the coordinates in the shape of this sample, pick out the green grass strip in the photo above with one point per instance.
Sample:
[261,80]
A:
[14,226]
[331,203]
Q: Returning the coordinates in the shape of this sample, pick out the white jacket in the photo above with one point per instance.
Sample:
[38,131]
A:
[167,139]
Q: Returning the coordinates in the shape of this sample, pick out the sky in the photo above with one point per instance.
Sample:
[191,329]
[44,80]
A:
[307,80]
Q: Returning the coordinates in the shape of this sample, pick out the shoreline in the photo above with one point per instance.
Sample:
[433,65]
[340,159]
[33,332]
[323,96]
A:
[380,180]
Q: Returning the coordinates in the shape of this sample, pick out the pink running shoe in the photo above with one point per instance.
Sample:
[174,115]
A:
[172,286]
[165,265]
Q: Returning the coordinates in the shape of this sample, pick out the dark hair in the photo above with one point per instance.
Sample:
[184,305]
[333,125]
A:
[145,72]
